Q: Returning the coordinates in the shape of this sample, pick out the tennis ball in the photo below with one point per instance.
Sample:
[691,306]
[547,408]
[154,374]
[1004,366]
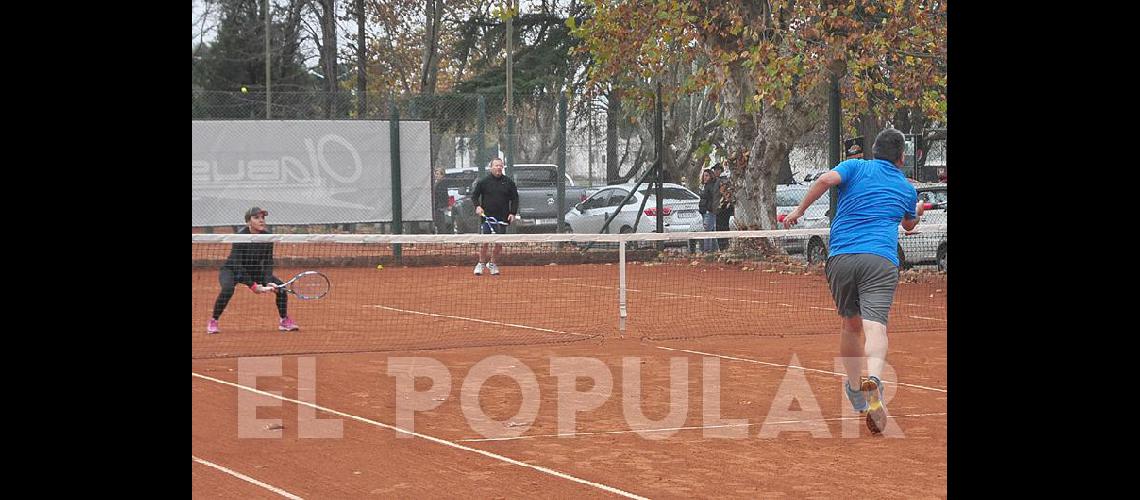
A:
[244,90]
[379,266]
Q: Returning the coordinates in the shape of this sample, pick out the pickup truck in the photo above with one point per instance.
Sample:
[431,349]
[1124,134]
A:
[538,189]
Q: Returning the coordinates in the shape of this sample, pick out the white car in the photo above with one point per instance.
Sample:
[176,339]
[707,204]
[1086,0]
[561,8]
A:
[679,207]
[925,245]
[788,197]
[921,246]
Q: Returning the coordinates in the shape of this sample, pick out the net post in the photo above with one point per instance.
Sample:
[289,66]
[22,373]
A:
[622,312]
[397,192]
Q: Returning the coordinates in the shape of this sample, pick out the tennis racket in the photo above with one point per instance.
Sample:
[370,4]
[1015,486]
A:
[309,285]
[491,222]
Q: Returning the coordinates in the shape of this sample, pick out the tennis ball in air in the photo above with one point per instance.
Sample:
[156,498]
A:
[379,267]
[244,90]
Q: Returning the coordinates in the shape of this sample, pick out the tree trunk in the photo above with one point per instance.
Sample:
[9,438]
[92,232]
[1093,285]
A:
[785,174]
[613,109]
[869,127]
[328,54]
[361,62]
[429,67]
[756,183]
[739,143]
[768,135]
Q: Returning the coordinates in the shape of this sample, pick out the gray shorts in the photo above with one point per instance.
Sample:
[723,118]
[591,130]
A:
[862,284]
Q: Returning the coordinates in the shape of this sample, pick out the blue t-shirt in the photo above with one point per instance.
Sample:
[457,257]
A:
[873,197]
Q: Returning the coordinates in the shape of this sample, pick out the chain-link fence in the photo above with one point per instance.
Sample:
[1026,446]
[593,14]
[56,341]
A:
[470,129]
[606,141]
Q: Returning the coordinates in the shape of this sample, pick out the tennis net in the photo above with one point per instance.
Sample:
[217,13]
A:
[410,292]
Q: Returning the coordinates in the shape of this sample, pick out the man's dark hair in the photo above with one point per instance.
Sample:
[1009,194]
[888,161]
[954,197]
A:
[889,145]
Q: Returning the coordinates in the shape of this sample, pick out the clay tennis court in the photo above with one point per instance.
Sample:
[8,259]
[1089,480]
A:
[336,369]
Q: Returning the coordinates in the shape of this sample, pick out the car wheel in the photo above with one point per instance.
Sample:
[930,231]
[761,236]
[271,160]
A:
[942,258]
[816,252]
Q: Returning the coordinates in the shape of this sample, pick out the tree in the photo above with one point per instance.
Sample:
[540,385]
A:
[408,45]
[767,65]
[429,69]
[325,11]
[236,58]
[543,71]
[361,49]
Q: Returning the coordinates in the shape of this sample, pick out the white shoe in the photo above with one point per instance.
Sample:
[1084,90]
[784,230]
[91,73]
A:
[479,269]
[494,268]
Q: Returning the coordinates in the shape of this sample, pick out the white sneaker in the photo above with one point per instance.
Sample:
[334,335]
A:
[479,269]
[494,268]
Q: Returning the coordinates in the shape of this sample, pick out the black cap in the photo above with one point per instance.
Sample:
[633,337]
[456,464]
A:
[254,211]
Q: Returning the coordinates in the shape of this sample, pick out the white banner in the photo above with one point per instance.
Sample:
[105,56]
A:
[306,171]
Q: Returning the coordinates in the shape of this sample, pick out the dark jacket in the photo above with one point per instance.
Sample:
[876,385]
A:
[251,261]
[716,197]
[708,191]
[497,195]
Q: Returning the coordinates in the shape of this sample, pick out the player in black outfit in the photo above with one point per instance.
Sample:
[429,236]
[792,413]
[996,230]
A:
[251,264]
[494,196]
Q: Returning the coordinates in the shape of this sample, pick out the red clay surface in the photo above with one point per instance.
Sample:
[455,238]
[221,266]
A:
[665,300]
[367,459]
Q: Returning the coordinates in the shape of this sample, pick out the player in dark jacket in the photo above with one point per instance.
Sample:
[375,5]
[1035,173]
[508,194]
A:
[251,264]
[494,196]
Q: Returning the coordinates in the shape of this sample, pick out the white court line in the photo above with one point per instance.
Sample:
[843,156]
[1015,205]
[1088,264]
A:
[477,320]
[923,317]
[247,479]
[433,439]
[778,365]
[541,280]
[695,427]
[923,305]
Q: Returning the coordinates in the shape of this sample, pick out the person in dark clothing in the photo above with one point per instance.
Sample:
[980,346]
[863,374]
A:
[494,196]
[725,203]
[251,264]
[439,200]
[707,210]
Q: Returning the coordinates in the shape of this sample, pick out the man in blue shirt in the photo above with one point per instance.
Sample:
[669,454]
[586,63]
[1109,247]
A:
[863,265]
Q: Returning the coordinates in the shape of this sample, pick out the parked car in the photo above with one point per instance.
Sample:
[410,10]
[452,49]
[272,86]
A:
[921,246]
[788,197]
[926,245]
[679,209]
